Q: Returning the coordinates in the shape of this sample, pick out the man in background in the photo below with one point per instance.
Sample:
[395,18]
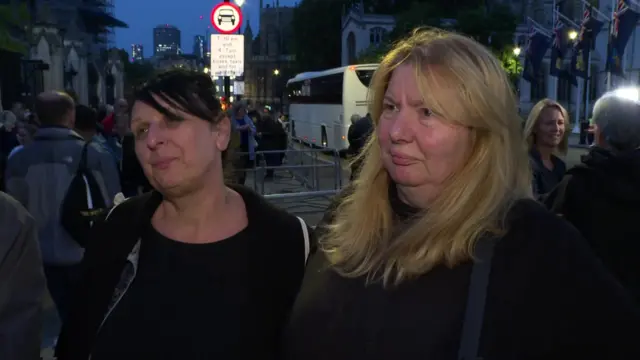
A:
[39,175]
[22,283]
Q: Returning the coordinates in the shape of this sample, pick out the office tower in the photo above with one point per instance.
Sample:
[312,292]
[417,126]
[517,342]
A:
[137,52]
[199,47]
[166,40]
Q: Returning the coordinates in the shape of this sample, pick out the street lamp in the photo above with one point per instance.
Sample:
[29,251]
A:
[206,70]
[573,34]
[276,72]
[516,51]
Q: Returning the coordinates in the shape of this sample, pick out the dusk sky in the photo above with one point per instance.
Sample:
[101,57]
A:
[143,15]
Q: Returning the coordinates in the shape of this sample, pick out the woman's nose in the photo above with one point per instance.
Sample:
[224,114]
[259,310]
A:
[155,136]
[401,130]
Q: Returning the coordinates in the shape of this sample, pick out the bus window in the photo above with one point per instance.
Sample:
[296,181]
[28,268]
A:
[320,90]
[365,76]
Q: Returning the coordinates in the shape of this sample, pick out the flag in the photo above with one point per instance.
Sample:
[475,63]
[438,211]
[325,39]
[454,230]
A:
[558,48]
[589,29]
[624,23]
[537,45]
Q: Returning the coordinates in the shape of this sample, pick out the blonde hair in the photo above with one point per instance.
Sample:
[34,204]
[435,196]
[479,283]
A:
[361,240]
[534,118]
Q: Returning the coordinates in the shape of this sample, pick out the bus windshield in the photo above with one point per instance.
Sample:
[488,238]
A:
[365,76]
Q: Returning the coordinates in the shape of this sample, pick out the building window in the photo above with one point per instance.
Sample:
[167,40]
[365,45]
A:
[377,35]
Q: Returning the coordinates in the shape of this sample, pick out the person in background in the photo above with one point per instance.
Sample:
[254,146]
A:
[438,250]
[246,156]
[8,133]
[22,283]
[358,134]
[601,196]
[272,138]
[8,141]
[39,175]
[546,137]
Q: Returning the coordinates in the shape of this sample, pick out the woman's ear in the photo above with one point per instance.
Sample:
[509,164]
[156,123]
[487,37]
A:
[223,131]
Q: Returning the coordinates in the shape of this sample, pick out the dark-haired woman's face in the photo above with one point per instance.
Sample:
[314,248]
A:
[181,154]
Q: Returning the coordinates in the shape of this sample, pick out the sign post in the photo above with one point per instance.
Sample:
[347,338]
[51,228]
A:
[227,51]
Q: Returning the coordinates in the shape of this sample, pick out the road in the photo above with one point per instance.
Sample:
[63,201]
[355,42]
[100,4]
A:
[304,171]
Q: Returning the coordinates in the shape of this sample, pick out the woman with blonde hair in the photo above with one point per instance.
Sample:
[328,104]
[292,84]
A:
[546,138]
[438,250]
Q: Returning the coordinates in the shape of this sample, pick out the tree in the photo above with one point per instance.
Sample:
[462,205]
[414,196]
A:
[316,39]
[135,73]
[13,21]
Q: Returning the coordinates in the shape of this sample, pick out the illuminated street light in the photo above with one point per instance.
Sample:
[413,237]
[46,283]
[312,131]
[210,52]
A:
[206,70]
[240,3]
[573,34]
[276,72]
[516,51]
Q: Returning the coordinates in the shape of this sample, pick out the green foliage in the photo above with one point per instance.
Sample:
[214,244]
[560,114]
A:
[13,19]
[373,54]
[511,64]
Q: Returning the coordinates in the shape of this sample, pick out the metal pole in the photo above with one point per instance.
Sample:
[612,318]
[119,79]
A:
[613,10]
[227,80]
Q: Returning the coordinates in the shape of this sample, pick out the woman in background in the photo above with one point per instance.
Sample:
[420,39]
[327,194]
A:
[545,133]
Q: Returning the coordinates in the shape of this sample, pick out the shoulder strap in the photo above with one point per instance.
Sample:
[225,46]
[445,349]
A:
[82,165]
[307,243]
[476,299]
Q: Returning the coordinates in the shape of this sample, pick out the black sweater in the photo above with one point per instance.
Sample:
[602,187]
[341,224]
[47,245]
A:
[548,298]
[267,262]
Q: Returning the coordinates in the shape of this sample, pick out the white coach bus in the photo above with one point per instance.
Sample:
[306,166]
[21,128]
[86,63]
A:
[321,104]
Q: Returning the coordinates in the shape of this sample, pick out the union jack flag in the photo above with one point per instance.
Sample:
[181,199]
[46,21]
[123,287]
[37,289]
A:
[557,32]
[621,9]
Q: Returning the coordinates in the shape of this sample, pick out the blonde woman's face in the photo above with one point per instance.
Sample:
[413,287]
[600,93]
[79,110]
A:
[419,148]
[550,128]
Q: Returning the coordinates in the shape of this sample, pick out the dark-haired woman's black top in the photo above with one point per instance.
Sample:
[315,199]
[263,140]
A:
[548,298]
[226,300]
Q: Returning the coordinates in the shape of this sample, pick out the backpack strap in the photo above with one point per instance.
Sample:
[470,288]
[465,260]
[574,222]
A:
[82,165]
[476,299]
[307,242]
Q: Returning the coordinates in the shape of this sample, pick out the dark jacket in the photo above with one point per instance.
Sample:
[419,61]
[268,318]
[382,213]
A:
[132,177]
[548,298]
[111,260]
[544,180]
[39,175]
[272,135]
[22,283]
[358,135]
[601,198]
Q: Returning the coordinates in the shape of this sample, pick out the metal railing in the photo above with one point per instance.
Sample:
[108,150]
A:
[303,183]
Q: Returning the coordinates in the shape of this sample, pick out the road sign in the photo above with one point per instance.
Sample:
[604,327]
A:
[227,55]
[226,17]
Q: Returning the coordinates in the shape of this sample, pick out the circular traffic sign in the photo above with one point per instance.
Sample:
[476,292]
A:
[226,17]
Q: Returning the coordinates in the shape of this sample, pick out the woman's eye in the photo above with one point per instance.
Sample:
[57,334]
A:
[388,107]
[426,112]
[140,132]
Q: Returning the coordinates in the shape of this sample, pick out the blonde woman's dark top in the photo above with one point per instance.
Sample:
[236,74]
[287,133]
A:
[548,298]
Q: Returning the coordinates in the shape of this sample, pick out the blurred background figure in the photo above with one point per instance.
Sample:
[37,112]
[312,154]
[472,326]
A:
[601,196]
[546,136]
[358,134]
[246,152]
[272,138]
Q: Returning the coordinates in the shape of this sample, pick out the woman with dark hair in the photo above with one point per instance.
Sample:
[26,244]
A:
[195,269]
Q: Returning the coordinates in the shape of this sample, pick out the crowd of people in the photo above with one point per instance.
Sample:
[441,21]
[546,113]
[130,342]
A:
[460,236]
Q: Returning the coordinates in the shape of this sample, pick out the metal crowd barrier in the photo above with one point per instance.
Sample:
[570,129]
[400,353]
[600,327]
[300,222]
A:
[304,183]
